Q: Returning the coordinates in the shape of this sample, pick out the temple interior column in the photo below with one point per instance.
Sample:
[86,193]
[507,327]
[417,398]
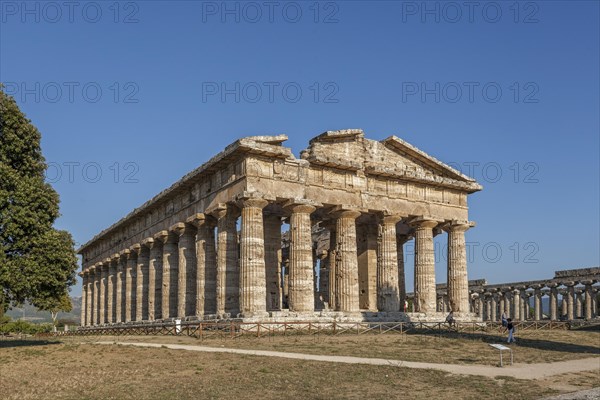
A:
[186,269]
[366,244]
[331,264]
[388,289]
[324,280]
[206,264]
[253,293]
[425,293]
[458,282]
[273,261]
[228,277]
[301,276]
[400,240]
[346,265]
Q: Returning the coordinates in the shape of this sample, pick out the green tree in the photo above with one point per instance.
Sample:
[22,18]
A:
[56,305]
[37,262]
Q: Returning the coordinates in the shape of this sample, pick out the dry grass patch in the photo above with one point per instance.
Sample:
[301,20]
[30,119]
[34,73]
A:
[71,371]
[451,348]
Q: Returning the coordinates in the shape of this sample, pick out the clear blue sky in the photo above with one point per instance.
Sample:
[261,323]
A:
[517,92]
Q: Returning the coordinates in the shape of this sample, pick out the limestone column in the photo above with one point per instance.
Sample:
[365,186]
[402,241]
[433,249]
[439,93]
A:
[324,279]
[579,303]
[587,306]
[89,295]
[103,278]
[273,260]
[563,304]
[553,301]
[121,261]
[493,306]
[206,264]
[458,283]
[228,276]
[507,302]
[537,302]
[346,264]
[141,281]
[95,294]
[129,288]
[154,281]
[388,288]
[301,279]
[501,303]
[253,291]
[516,305]
[331,264]
[570,300]
[425,266]
[170,265]
[522,301]
[528,306]
[111,302]
[400,240]
[84,278]
[488,307]
[594,302]
[187,269]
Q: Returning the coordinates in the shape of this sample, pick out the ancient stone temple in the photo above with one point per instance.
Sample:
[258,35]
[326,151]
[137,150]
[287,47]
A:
[210,246]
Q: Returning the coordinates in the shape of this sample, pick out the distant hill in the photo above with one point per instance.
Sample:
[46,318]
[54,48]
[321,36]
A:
[32,314]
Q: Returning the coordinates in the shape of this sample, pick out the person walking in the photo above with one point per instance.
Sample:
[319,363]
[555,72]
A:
[511,331]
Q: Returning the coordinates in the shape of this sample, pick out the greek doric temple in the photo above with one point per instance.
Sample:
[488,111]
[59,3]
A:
[571,294]
[211,245]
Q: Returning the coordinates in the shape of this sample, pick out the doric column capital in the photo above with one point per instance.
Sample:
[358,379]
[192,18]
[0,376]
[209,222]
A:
[106,261]
[552,285]
[165,237]
[299,206]
[136,248]
[181,229]
[115,257]
[425,222]
[201,219]
[148,242]
[388,218]
[457,226]
[251,199]
[587,282]
[343,211]
[569,284]
[125,254]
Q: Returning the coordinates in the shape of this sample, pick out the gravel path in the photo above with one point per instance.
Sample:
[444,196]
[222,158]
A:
[521,371]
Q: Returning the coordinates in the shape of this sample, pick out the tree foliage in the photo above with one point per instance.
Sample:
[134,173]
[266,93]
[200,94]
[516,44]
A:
[37,262]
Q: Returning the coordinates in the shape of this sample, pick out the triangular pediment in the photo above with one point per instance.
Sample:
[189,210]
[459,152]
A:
[391,157]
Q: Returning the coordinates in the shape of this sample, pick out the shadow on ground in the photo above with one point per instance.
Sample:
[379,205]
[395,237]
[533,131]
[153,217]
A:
[540,344]
[10,343]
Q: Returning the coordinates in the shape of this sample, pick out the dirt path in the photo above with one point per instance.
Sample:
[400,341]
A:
[521,371]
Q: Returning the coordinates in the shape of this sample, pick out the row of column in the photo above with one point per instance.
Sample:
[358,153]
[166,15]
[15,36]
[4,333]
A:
[187,271]
[515,303]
